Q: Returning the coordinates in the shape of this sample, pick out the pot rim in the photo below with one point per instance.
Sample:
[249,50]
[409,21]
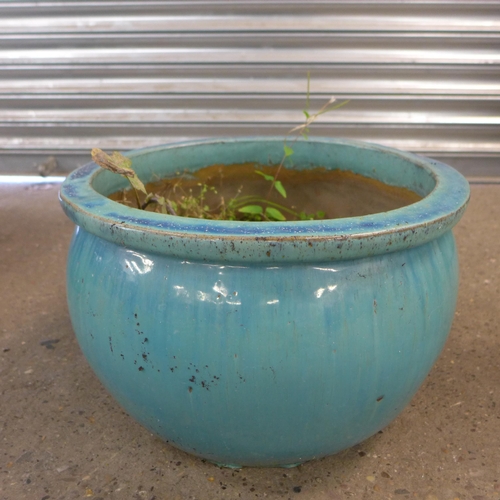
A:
[243,241]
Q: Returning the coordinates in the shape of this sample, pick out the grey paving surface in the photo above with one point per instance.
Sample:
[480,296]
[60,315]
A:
[63,437]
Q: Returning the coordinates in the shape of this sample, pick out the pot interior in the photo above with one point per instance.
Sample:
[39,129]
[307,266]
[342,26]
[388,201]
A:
[389,166]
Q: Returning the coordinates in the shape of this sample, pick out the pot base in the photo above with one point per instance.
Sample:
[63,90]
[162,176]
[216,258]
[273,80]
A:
[234,466]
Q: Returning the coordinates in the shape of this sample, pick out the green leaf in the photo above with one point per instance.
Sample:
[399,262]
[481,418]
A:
[280,188]
[251,209]
[274,214]
[320,214]
[267,177]
[306,114]
[288,150]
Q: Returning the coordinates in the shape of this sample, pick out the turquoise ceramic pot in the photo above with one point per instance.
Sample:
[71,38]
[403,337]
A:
[257,343]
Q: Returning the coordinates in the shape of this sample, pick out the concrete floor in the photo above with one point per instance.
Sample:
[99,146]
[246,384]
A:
[63,437]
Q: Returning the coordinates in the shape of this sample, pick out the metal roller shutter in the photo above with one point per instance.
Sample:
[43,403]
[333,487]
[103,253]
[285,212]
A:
[422,76]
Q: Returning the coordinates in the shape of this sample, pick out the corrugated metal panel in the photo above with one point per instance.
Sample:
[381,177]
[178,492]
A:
[422,76]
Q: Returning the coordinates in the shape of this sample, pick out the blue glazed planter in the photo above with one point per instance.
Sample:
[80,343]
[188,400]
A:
[257,343]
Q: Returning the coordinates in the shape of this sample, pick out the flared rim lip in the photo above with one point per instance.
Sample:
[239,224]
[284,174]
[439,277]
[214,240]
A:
[437,212]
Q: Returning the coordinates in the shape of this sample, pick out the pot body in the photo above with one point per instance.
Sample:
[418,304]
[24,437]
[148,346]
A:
[261,365]
[262,362]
